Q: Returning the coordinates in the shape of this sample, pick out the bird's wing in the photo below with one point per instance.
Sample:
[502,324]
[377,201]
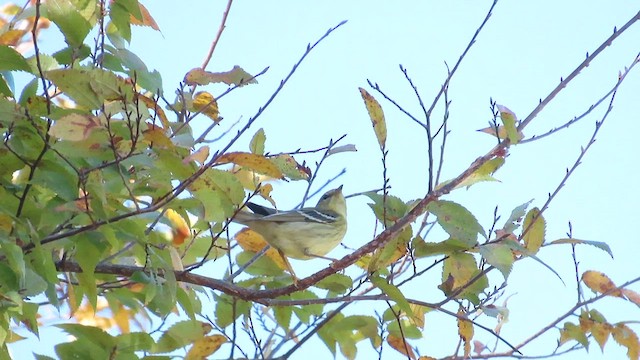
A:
[303,215]
[261,210]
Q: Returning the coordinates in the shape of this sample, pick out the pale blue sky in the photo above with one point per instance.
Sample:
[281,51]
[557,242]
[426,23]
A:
[520,56]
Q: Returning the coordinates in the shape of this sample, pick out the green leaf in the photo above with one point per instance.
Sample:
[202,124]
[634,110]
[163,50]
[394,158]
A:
[11,60]
[263,266]
[90,87]
[69,55]
[573,332]
[132,342]
[425,249]
[376,115]
[336,283]
[457,221]
[534,225]
[219,191]
[180,335]
[518,247]
[599,244]
[282,315]
[483,173]
[509,121]
[514,220]
[120,19]
[500,256]
[72,24]
[393,292]
[305,312]
[408,331]
[91,343]
[395,208]
[257,142]
[225,312]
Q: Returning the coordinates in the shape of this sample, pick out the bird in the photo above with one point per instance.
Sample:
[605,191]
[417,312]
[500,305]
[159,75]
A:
[302,234]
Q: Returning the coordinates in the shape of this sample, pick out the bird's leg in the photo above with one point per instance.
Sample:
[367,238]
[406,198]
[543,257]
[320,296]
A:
[306,252]
[289,268]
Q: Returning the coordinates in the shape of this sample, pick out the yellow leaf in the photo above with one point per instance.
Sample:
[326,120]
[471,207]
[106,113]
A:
[157,136]
[121,317]
[250,240]
[205,346]
[626,337]
[483,173]
[236,76]
[204,103]
[509,120]
[400,345]
[254,162]
[465,331]
[376,115]
[501,133]
[535,226]
[599,282]
[152,104]
[75,127]
[199,156]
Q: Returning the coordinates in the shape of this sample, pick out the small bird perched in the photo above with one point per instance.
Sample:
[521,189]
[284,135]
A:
[304,233]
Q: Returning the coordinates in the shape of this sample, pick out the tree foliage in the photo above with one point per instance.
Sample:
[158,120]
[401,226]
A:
[112,200]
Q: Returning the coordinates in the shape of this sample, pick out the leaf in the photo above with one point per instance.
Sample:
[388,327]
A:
[257,163]
[393,292]
[498,255]
[341,149]
[517,247]
[11,60]
[400,345]
[534,225]
[205,346]
[501,133]
[600,283]
[75,127]
[599,244]
[509,121]
[483,173]
[394,250]
[336,283]
[72,24]
[145,20]
[219,192]
[250,240]
[395,208]
[205,103]
[573,332]
[465,331]
[632,296]
[626,337]
[458,270]
[457,221]
[256,145]
[515,218]
[90,87]
[180,335]
[290,167]
[236,76]
[377,117]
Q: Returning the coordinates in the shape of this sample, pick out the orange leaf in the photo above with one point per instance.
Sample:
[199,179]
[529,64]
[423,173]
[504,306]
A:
[600,283]
[400,345]
[152,104]
[121,317]
[199,156]
[147,19]
[254,162]
[250,240]
[179,227]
